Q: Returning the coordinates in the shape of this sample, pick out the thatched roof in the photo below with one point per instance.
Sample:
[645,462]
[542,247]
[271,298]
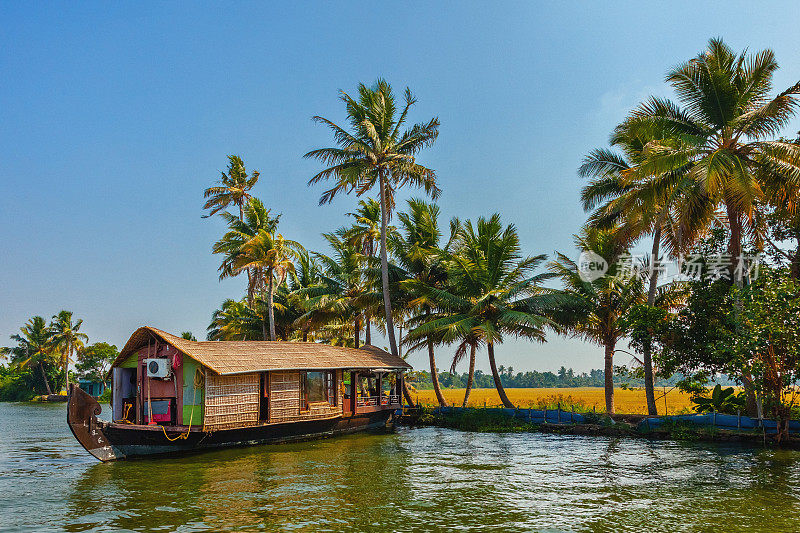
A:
[240,357]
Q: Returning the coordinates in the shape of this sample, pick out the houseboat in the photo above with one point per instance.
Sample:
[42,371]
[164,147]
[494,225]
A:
[172,395]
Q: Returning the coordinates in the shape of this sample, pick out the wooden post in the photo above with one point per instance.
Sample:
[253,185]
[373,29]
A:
[572,415]
[545,415]
[738,419]
[558,417]
[530,414]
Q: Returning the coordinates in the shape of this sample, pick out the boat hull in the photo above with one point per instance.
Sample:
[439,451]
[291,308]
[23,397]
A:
[110,441]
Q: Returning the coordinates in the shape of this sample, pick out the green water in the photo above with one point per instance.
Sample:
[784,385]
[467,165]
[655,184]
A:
[409,480]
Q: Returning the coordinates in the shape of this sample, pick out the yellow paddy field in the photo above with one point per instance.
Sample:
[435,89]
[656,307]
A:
[626,401]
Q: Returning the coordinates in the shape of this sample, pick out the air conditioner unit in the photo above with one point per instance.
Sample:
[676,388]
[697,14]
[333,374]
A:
[158,368]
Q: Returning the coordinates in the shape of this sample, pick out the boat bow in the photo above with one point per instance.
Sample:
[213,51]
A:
[82,411]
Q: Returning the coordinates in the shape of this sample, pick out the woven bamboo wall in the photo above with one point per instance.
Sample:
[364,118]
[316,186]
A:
[231,401]
[284,399]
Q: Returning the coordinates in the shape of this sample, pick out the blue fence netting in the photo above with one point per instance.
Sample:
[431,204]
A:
[551,416]
[721,421]
[560,416]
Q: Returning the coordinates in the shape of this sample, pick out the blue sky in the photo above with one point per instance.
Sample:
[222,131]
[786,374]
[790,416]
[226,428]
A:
[115,116]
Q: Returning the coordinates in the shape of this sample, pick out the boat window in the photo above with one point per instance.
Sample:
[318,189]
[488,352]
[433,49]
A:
[315,387]
[318,387]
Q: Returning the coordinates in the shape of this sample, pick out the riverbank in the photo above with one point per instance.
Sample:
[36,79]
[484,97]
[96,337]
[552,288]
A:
[588,424]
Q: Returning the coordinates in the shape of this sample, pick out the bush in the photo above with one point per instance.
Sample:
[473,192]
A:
[16,385]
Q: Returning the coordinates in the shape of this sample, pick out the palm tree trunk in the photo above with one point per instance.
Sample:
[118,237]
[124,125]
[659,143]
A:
[735,242]
[305,336]
[368,331]
[357,331]
[647,352]
[387,302]
[435,376]
[67,354]
[497,383]
[609,376]
[44,377]
[270,306]
[471,374]
[407,394]
[735,250]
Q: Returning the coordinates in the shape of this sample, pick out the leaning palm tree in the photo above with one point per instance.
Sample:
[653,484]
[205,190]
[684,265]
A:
[233,188]
[416,247]
[722,133]
[35,348]
[68,338]
[377,152]
[492,294]
[594,308]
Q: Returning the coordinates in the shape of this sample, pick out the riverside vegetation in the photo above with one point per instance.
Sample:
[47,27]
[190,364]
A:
[710,176]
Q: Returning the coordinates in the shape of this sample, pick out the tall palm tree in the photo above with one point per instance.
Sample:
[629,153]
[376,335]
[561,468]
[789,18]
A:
[270,256]
[233,189]
[35,348]
[638,206]
[722,133]
[595,309]
[67,336]
[256,218]
[416,247]
[492,292]
[376,152]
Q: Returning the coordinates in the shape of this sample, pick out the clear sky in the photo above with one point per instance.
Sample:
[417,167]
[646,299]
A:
[115,116]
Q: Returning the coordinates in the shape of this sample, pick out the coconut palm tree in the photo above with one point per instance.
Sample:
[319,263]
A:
[270,256]
[236,321]
[640,206]
[35,348]
[365,233]
[376,151]
[256,218]
[233,188]
[307,273]
[68,338]
[594,308]
[416,247]
[722,133]
[492,293]
[339,296]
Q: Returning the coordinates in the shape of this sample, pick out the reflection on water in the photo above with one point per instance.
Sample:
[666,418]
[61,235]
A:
[408,480]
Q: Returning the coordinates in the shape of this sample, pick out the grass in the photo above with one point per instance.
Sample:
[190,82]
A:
[582,399]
